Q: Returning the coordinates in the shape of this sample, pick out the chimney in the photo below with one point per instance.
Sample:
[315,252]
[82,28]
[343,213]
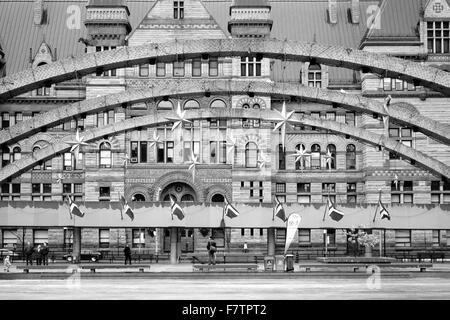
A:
[38,12]
[355,11]
[332,11]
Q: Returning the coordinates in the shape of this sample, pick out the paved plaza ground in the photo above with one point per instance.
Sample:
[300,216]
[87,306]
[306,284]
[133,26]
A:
[170,282]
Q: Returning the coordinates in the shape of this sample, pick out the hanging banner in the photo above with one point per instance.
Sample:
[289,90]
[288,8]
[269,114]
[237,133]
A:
[292,226]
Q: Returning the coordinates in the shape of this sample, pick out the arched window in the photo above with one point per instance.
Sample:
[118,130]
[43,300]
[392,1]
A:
[187,198]
[17,153]
[281,157]
[332,149]
[218,104]
[245,106]
[191,104]
[350,157]
[39,165]
[315,156]
[138,197]
[217,198]
[165,105]
[256,106]
[105,155]
[6,157]
[251,155]
[305,161]
[315,76]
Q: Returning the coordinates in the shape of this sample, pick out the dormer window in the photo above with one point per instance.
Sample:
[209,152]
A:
[315,76]
[438,36]
[178,10]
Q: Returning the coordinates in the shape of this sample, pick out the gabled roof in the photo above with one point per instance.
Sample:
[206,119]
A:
[250,3]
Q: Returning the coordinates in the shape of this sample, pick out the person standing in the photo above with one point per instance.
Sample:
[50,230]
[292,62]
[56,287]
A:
[44,252]
[38,255]
[7,263]
[212,248]
[245,247]
[127,252]
[29,253]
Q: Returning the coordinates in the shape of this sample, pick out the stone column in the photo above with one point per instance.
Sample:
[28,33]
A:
[173,245]
[271,241]
[76,243]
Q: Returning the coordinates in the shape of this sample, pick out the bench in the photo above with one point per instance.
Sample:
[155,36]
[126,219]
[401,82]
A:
[224,267]
[422,266]
[93,268]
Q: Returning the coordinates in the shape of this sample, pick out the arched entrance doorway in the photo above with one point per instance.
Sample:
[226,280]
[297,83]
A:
[183,193]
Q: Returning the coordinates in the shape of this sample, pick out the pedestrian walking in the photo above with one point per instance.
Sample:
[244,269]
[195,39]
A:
[245,247]
[29,250]
[7,263]
[127,252]
[44,253]
[212,248]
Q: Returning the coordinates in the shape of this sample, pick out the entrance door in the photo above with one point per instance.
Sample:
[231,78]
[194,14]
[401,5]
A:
[187,240]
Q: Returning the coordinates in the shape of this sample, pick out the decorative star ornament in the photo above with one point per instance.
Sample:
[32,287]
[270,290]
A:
[282,120]
[231,143]
[155,139]
[300,155]
[193,162]
[76,144]
[328,158]
[396,181]
[262,161]
[126,159]
[179,118]
[59,178]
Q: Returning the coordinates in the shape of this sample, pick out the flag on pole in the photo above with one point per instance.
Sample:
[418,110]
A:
[176,209]
[73,208]
[229,210]
[279,210]
[126,208]
[384,213]
[292,226]
[334,214]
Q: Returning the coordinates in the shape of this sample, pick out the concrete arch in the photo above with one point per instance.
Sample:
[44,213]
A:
[406,116]
[426,161]
[70,68]
[60,146]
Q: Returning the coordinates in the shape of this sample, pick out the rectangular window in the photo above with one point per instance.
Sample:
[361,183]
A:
[143,151]
[222,152]
[196,67]
[104,192]
[16,188]
[78,187]
[304,236]
[331,237]
[214,67]
[144,70]
[5,120]
[169,151]
[438,37]
[40,236]
[213,151]
[350,118]
[387,84]
[178,69]
[303,198]
[436,238]
[160,157]
[138,238]
[161,69]
[280,188]
[5,187]
[178,10]
[250,67]
[9,238]
[111,117]
[134,151]
[46,188]
[67,188]
[103,238]
[36,188]
[402,238]
[18,117]
[328,187]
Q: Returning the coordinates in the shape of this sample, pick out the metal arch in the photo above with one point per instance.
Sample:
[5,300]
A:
[399,113]
[86,64]
[426,161]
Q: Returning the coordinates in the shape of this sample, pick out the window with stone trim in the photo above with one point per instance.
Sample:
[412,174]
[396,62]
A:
[105,155]
[178,10]
[330,237]
[251,155]
[281,157]
[178,68]
[351,192]
[9,238]
[304,236]
[436,236]
[5,120]
[144,70]
[315,157]
[250,67]
[350,157]
[6,157]
[68,239]
[196,67]
[402,192]
[315,75]
[160,69]
[138,238]
[400,134]
[438,37]
[40,236]
[328,190]
[392,84]
[164,152]
[213,67]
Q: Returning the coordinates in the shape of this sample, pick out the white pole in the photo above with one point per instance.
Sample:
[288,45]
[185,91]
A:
[381,245]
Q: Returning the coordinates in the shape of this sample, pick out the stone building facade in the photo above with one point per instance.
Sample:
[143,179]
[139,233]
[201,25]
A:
[149,170]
